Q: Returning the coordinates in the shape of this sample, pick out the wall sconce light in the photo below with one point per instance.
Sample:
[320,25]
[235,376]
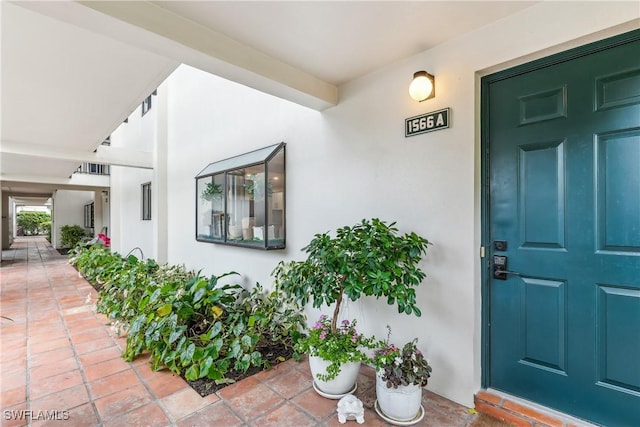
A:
[423,86]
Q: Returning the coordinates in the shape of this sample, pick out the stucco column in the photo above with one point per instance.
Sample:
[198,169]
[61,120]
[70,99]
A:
[2,216]
[4,211]
[98,223]
[160,181]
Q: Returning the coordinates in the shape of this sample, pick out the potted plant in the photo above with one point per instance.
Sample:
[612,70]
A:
[368,259]
[211,191]
[254,187]
[334,355]
[400,375]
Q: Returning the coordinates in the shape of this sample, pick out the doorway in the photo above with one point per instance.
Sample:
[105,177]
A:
[561,219]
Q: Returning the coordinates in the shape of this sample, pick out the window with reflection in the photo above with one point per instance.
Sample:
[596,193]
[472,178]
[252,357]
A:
[241,200]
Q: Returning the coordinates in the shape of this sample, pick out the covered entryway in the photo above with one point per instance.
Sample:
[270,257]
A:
[61,364]
[561,144]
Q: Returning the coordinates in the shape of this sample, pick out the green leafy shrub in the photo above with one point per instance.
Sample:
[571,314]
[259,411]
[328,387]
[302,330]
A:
[71,235]
[190,324]
[46,226]
[185,327]
[96,263]
[31,222]
[368,259]
[274,315]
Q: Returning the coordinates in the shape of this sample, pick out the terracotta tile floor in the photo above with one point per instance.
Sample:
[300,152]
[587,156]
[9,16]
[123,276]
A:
[59,355]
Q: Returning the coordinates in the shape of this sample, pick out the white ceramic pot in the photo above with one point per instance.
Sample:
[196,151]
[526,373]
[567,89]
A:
[247,222]
[402,403]
[342,384]
[235,232]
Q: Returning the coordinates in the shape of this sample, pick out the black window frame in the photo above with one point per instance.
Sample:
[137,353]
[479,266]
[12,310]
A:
[145,204]
[253,183]
[147,103]
[89,215]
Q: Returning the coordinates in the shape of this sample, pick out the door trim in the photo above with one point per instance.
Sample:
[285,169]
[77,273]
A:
[485,82]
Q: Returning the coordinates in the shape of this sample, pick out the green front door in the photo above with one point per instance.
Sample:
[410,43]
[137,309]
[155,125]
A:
[562,217]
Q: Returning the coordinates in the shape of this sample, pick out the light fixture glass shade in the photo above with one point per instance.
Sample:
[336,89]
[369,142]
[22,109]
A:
[421,88]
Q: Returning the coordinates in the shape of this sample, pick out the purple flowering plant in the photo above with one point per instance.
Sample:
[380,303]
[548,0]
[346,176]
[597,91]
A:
[343,345]
[401,366]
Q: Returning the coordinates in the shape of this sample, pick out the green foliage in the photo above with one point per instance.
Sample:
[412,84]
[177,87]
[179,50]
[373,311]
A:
[46,225]
[33,222]
[96,263]
[343,345]
[71,235]
[254,186]
[402,366]
[188,323]
[272,315]
[370,259]
[212,191]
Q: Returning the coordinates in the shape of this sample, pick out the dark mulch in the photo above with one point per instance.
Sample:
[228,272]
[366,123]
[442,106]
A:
[273,354]
[63,251]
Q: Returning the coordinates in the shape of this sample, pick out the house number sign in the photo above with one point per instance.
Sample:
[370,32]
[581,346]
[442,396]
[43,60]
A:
[429,122]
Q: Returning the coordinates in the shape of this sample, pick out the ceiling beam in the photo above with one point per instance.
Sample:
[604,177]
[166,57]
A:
[119,156]
[22,195]
[12,182]
[116,156]
[227,57]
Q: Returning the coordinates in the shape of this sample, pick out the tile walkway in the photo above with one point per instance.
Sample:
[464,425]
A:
[59,359]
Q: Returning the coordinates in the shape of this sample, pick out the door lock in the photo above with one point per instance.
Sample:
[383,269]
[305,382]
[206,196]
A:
[500,268]
[500,245]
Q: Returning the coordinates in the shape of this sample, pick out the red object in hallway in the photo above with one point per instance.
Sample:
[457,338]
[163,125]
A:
[106,240]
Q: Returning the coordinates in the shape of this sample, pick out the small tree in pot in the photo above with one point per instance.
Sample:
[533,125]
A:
[368,259]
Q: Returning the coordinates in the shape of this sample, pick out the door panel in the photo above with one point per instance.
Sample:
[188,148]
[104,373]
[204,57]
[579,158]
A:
[564,192]
[618,160]
[615,353]
[544,337]
[541,183]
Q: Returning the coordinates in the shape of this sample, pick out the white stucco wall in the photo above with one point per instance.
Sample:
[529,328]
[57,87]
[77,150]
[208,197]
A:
[100,212]
[352,162]
[68,209]
[128,230]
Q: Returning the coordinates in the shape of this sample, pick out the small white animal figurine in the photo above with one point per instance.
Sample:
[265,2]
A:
[350,408]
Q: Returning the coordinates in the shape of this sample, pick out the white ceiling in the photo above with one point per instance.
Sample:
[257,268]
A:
[71,72]
[341,40]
